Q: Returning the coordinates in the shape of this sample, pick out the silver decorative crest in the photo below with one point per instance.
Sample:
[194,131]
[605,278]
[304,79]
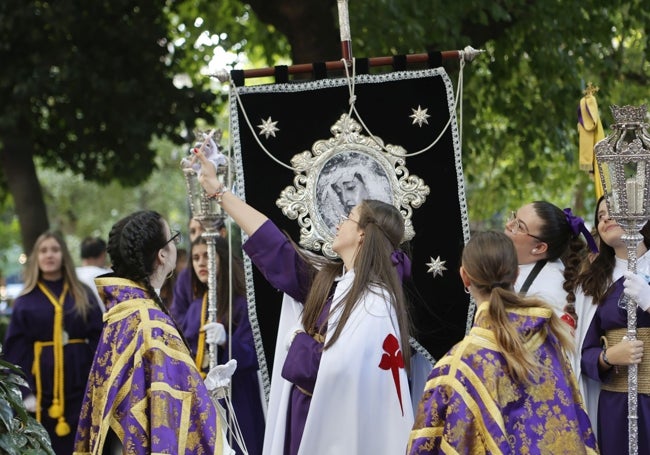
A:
[341,171]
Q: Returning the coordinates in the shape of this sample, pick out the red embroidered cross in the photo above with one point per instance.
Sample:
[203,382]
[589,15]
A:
[392,360]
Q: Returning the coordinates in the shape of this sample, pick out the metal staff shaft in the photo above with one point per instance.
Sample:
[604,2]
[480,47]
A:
[632,240]
[209,237]
[206,211]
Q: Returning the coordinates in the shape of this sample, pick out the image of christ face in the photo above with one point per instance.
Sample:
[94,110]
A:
[351,190]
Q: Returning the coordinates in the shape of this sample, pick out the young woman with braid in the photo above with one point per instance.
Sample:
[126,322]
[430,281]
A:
[550,253]
[144,394]
[339,384]
[507,387]
[52,336]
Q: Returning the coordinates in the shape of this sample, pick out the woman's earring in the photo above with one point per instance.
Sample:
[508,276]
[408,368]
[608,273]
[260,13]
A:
[466,289]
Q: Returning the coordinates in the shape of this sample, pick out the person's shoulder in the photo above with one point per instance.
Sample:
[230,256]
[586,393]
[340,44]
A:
[446,368]
[551,274]
[82,270]
[27,299]
[184,272]
[91,271]
[151,331]
[183,279]
[133,312]
[19,300]
[556,265]
[377,301]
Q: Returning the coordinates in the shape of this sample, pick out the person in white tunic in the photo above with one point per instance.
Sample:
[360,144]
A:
[340,383]
[550,253]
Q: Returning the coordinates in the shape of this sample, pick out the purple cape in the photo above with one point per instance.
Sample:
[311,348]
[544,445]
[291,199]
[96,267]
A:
[471,405]
[143,383]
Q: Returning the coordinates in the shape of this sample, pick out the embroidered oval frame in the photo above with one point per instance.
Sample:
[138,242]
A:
[340,171]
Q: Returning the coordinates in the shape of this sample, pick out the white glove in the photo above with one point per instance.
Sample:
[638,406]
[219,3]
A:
[636,287]
[218,379]
[30,403]
[215,332]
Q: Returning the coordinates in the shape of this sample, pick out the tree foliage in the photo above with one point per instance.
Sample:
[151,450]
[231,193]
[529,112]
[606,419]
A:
[104,204]
[90,83]
[520,97]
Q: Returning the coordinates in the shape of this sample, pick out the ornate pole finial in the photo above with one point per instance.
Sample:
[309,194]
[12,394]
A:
[591,89]
[630,116]
[469,53]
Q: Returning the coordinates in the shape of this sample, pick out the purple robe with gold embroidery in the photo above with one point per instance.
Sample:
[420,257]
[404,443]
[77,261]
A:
[143,383]
[471,405]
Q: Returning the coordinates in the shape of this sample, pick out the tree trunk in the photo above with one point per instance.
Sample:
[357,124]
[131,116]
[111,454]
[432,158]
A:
[18,167]
[310,26]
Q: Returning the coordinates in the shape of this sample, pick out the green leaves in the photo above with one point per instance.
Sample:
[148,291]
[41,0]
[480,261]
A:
[20,433]
[89,84]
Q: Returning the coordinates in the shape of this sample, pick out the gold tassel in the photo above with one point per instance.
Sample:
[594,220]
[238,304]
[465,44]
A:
[57,409]
[62,427]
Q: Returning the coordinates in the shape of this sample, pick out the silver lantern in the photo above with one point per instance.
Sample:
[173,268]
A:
[624,163]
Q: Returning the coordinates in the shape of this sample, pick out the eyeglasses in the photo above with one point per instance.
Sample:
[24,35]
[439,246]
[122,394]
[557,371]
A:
[343,218]
[516,226]
[176,238]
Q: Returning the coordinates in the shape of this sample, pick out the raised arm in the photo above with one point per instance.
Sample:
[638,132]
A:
[247,218]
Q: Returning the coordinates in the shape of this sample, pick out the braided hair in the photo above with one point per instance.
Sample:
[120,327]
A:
[133,245]
[564,244]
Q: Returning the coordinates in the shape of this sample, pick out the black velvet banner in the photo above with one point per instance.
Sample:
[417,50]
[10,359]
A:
[386,104]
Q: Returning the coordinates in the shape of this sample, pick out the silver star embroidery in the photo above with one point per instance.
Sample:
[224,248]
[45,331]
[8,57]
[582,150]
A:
[420,116]
[268,128]
[436,266]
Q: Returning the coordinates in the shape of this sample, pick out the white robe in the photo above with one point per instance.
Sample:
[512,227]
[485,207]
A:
[547,285]
[355,407]
[589,389]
